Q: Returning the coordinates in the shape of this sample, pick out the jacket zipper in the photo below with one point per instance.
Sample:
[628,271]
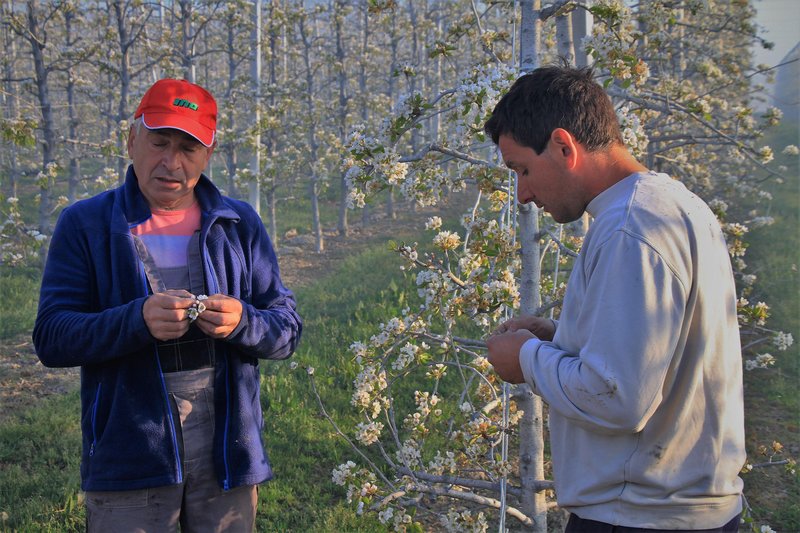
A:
[176,450]
[94,420]
[226,484]
[214,286]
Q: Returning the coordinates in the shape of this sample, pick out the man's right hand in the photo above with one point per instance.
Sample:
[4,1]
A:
[542,328]
[165,314]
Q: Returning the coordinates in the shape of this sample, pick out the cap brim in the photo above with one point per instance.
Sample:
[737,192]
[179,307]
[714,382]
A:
[158,121]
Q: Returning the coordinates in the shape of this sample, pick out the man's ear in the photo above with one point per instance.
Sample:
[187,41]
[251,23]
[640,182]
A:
[565,147]
[209,151]
[131,136]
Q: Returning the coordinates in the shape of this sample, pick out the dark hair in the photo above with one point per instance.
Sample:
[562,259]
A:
[555,97]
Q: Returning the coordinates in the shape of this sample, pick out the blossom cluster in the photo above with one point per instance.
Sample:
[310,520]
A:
[763,360]
[613,43]
[19,243]
[756,314]
[633,132]
[464,520]
[475,97]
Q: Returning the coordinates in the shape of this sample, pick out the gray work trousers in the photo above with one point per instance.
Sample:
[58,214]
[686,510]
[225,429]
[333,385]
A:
[198,504]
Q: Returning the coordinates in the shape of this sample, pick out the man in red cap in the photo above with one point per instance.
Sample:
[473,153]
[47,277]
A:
[171,415]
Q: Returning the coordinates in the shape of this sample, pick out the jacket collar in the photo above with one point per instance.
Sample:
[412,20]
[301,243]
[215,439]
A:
[136,208]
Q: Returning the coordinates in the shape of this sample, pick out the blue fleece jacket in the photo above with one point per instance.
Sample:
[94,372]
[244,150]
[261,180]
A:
[90,315]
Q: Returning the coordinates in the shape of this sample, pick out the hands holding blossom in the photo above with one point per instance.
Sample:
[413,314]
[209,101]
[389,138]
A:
[169,314]
[505,342]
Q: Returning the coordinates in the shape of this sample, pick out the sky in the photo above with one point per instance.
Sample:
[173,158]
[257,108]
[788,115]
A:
[780,20]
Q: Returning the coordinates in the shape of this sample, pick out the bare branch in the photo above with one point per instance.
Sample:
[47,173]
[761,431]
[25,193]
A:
[475,498]
[460,481]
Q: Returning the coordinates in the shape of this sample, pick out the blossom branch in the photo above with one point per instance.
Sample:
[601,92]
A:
[342,434]
[482,500]
[461,481]
[436,147]
[569,251]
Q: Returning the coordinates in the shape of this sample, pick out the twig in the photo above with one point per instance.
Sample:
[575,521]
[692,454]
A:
[342,434]
[771,463]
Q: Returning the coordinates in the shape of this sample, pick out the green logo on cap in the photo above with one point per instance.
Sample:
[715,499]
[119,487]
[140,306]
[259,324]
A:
[180,102]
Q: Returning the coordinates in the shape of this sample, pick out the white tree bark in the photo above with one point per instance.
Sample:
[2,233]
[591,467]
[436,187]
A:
[531,429]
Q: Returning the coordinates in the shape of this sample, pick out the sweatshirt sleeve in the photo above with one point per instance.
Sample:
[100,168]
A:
[634,304]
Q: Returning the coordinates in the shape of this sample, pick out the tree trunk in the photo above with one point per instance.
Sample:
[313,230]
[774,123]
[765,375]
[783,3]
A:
[341,76]
[390,90]
[580,29]
[38,42]
[9,99]
[564,40]
[531,450]
[124,83]
[362,86]
[74,161]
[230,144]
[255,71]
[187,48]
[313,144]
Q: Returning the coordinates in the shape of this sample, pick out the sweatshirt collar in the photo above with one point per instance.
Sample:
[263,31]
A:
[620,190]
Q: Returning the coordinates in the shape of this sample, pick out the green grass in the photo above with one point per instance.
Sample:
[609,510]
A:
[772,402]
[19,292]
[40,448]
[303,446]
[39,468]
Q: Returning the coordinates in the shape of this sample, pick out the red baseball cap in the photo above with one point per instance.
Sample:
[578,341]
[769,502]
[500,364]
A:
[180,105]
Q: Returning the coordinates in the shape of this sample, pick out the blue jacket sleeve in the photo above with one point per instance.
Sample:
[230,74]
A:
[270,327]
[84,317]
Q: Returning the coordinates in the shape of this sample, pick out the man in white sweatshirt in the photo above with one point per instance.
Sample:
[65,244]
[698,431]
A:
[642,373]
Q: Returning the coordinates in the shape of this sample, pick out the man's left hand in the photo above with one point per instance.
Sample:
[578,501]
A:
[504,354]
[221,316]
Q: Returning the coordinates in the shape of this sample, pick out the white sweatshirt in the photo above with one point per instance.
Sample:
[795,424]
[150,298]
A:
[644,375]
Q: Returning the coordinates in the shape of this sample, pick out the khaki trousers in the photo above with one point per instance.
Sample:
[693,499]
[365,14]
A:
[198,504]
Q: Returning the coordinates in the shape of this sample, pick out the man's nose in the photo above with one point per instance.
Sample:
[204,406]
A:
[172,159]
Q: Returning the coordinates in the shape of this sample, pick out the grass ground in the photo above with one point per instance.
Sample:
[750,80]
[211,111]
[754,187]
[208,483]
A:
[772,402]
[341,295]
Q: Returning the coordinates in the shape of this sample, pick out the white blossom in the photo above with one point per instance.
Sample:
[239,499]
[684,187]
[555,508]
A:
[342,472]
[783,341]
[765,155]
[761,361]
[368,433]
[447,240]
[433,223]
[791,150]
[409,453]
